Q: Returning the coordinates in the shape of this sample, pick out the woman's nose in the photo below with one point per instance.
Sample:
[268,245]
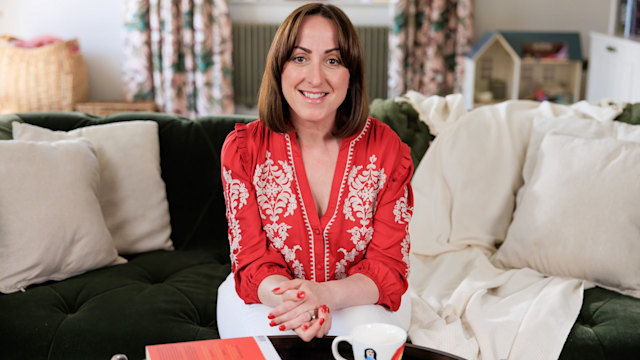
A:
[315,74]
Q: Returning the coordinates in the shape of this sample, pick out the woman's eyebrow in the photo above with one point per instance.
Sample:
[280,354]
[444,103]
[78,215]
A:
[303,49]
[309,51]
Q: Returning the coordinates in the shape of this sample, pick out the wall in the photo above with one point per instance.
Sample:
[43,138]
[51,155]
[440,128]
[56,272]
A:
[567,15]
[97,24]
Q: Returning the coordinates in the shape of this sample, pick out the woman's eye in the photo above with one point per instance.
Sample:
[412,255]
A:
[298,59]
[334,61]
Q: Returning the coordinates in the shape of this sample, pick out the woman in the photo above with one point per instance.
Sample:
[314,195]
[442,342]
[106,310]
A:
[318,194]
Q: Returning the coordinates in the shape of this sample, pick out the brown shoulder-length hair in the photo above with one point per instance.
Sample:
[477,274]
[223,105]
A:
[272,106]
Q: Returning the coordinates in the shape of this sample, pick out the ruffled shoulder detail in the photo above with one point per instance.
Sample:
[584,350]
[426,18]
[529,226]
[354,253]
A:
[405,164]
[241,148]
[241,139]
[393,144]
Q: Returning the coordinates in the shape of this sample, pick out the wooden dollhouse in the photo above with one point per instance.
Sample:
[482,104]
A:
[505,65]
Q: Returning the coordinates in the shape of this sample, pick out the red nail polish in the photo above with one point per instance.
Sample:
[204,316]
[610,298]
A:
[271,316]
[321,322]
[301,294]
[275,289]
[305,327]
[272,323]
[281,327]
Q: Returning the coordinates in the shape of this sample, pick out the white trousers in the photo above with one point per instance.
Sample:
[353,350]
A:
[237,319]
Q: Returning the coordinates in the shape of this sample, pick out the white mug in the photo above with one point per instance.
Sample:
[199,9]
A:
[376,341]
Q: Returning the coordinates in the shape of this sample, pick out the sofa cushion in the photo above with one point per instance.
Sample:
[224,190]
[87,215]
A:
[579,213]
[189,161]
[606,328]
[161,296]
[132,193]
[593,174]
[51,225]
[405,121]
[575,126]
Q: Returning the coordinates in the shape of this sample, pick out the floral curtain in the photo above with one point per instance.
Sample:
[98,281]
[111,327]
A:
[428,42]
[178,53]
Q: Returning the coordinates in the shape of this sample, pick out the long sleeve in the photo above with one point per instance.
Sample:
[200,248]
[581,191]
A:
[252,259]
[386,260]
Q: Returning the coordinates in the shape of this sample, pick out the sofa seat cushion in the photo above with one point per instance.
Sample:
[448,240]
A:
[161,296]
[606,328]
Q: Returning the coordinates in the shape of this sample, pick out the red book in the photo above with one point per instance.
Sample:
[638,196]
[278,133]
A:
[250,348]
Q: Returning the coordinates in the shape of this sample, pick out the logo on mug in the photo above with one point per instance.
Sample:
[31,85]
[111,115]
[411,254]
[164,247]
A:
[373,341]
[369,354]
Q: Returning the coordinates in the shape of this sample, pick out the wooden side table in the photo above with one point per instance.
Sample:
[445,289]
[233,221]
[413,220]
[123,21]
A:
[108,108]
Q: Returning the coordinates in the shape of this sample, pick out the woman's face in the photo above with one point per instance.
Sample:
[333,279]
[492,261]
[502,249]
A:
[314,81]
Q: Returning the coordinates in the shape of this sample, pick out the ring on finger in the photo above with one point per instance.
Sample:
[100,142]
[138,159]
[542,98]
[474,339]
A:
[312,315]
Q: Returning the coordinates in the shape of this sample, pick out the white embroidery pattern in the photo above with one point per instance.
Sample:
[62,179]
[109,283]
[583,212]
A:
[341,271]
[361,202]
[236,195]
[340,266]
[298,269]
[290,258]
[402,212]
[275,198]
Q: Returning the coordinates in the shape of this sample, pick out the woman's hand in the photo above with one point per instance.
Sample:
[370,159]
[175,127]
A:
[318,327]
[305,306]
[304,303]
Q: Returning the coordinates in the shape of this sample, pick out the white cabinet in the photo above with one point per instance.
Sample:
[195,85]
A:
[614,69]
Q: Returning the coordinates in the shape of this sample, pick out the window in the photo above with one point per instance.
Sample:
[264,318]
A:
[486,68]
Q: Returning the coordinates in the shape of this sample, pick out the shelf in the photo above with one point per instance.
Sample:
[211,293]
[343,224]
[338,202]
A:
[547,61]
[108,108]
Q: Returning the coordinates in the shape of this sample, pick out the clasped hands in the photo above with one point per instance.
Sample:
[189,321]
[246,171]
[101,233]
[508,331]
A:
[302,309]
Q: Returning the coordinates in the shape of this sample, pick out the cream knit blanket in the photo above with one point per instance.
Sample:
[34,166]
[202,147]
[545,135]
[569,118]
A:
[464,191]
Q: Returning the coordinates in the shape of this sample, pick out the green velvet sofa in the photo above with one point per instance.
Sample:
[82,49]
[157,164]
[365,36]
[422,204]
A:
[157,297]
[170,296]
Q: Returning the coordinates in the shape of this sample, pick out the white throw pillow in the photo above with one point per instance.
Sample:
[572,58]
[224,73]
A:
[579,215]
[575,126]
[51,224]
[132,193]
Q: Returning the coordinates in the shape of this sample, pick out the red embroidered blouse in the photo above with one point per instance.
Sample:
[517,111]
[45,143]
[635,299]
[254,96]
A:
[274,227]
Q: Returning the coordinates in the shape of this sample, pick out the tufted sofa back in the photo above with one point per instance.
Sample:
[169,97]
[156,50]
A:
[189,153]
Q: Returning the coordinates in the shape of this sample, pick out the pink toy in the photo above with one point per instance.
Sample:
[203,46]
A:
[40,40]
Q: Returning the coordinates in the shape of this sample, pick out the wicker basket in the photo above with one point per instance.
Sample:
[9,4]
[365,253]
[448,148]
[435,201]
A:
[108,108]
[48,78]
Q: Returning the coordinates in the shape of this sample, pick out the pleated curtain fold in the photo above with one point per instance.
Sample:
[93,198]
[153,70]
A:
[428,42]
[178,53]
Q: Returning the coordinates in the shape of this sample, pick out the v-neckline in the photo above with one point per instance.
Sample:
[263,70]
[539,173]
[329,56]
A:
[305,187]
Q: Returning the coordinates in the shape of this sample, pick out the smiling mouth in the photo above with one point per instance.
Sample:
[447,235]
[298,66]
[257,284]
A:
[313,95]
